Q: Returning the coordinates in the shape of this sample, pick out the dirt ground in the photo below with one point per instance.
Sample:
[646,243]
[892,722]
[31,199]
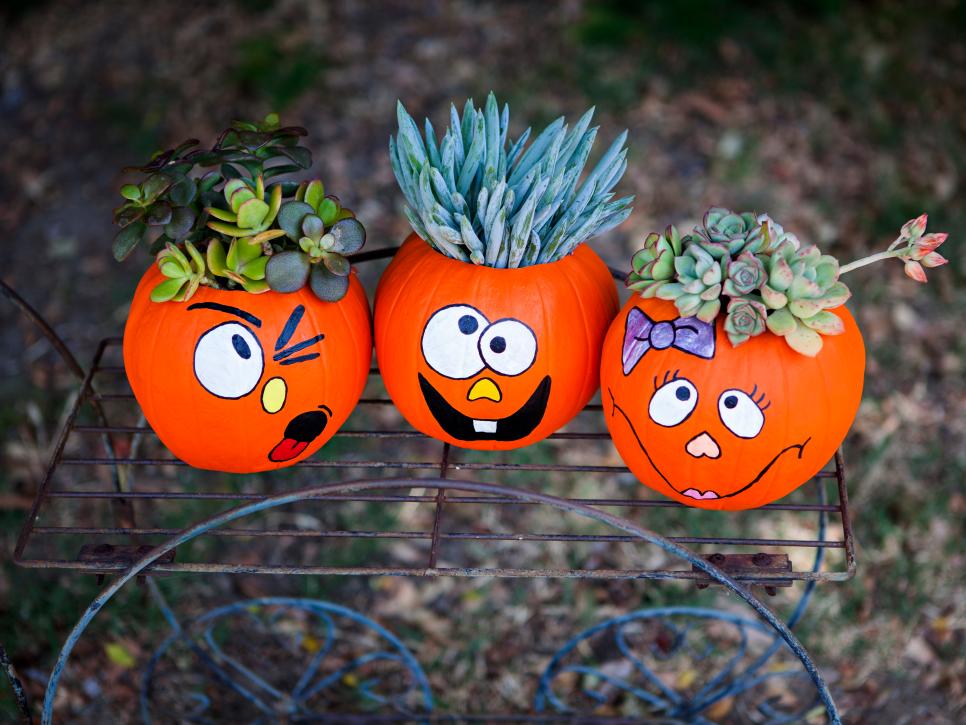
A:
[840,120]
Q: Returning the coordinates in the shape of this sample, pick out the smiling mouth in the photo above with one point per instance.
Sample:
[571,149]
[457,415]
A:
[514,427]
[692,492]
[300,431]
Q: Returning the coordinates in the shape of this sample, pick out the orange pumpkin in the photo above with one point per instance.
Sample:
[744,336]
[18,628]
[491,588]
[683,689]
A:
[723,427]
[240,382]
[490,358]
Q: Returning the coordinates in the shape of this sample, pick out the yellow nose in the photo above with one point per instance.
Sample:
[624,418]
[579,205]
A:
[273,395]
[485,388]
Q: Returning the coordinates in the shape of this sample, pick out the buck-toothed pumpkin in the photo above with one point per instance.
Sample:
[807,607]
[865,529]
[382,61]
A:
[718,426]
[240,382]
[491,358]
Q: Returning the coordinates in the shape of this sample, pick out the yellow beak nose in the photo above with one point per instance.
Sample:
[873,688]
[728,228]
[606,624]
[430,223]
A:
[273,395]
[485,388]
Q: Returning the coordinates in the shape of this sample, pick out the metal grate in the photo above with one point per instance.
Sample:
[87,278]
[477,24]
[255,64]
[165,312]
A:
[112,490]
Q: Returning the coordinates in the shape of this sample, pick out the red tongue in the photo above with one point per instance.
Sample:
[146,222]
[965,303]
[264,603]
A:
[287,450]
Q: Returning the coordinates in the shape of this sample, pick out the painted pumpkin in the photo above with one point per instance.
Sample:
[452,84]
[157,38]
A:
[491,358]
[240,382]
[722,427]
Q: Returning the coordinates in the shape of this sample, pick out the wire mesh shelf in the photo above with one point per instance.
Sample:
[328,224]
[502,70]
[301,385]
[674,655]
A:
[112,491]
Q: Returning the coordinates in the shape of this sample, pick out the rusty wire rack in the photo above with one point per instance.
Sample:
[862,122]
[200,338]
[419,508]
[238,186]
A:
[112,491]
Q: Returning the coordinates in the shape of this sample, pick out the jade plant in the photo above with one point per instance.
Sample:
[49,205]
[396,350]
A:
[760,277]
[476,200]
[222,217]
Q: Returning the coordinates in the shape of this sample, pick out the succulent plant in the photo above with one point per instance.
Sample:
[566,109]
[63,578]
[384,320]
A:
[474,200]
[700,281]
[770,281]
[322,247]
[243,263]
[249,214]
[184,273]
[237,216]
[653,265]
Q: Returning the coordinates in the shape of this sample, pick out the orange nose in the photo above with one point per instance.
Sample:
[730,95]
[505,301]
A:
[703,445]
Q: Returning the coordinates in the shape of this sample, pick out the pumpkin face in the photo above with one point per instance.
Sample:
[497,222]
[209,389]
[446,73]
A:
[238,382]
[723,427]
[490,358]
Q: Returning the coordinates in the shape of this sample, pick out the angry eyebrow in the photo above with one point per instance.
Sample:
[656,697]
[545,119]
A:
[247,316]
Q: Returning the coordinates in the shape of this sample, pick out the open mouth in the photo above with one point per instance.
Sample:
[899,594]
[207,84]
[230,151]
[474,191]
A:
[514,427]
[695,493]
[300,431]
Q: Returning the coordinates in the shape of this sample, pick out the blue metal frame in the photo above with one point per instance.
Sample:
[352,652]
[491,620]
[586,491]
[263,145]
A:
[783,632]
[265,697]
[729,682]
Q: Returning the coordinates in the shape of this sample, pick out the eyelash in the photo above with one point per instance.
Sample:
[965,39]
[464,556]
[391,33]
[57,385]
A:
[760,400]
[668,377]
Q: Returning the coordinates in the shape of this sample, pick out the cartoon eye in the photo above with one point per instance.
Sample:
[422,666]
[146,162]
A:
[450,341]
[229,360]
[740,414]
[509,347]
[673,402]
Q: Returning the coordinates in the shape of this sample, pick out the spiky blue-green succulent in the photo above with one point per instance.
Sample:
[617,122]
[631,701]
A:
[475,200]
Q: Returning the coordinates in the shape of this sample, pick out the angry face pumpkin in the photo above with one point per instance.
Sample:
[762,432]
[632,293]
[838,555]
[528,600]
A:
[238,382]
[491,358]
[723,427]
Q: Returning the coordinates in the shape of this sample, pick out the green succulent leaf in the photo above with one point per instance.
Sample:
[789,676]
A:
[167,290]
[314,193]
[781,322]
[290,217]
[328,209]
[805,341]
[217,261]
[336,263]
[131,192]
[349,236]
[313,227]
[327,286]
[252,213]
[127,239]
[287,271]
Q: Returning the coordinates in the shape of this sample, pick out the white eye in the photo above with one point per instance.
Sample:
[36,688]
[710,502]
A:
[450,341]
[509,347]
[673,402]
[228,360]
[740,414]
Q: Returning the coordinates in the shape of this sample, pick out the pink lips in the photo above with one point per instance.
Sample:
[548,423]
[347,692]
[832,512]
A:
[695,493]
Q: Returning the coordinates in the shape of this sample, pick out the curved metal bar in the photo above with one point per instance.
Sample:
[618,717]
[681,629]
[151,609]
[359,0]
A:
[694,706]
[302,692]
[603,517]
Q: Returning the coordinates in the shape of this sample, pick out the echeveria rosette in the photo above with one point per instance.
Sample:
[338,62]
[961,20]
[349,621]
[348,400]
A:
[700,281]
[745,319]
[746,274]
[653,265]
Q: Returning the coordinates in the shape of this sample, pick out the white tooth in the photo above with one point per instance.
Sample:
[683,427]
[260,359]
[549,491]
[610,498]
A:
[484,426]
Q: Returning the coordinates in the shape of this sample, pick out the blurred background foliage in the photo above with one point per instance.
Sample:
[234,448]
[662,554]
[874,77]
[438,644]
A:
[840,119]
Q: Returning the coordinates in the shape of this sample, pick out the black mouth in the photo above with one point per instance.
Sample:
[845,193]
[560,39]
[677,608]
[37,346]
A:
[300,431]
[799,446]
[512,428]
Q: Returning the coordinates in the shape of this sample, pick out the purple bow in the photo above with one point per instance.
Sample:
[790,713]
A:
[688,334]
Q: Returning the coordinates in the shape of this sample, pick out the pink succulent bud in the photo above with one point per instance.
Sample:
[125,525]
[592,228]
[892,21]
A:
[914,228]
[934,259]
[929,242]
[915,271]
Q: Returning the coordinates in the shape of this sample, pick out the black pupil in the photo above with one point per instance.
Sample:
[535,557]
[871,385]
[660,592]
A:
[468,324]
[682,393]
[731,401]
[498,344]
[241,347]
